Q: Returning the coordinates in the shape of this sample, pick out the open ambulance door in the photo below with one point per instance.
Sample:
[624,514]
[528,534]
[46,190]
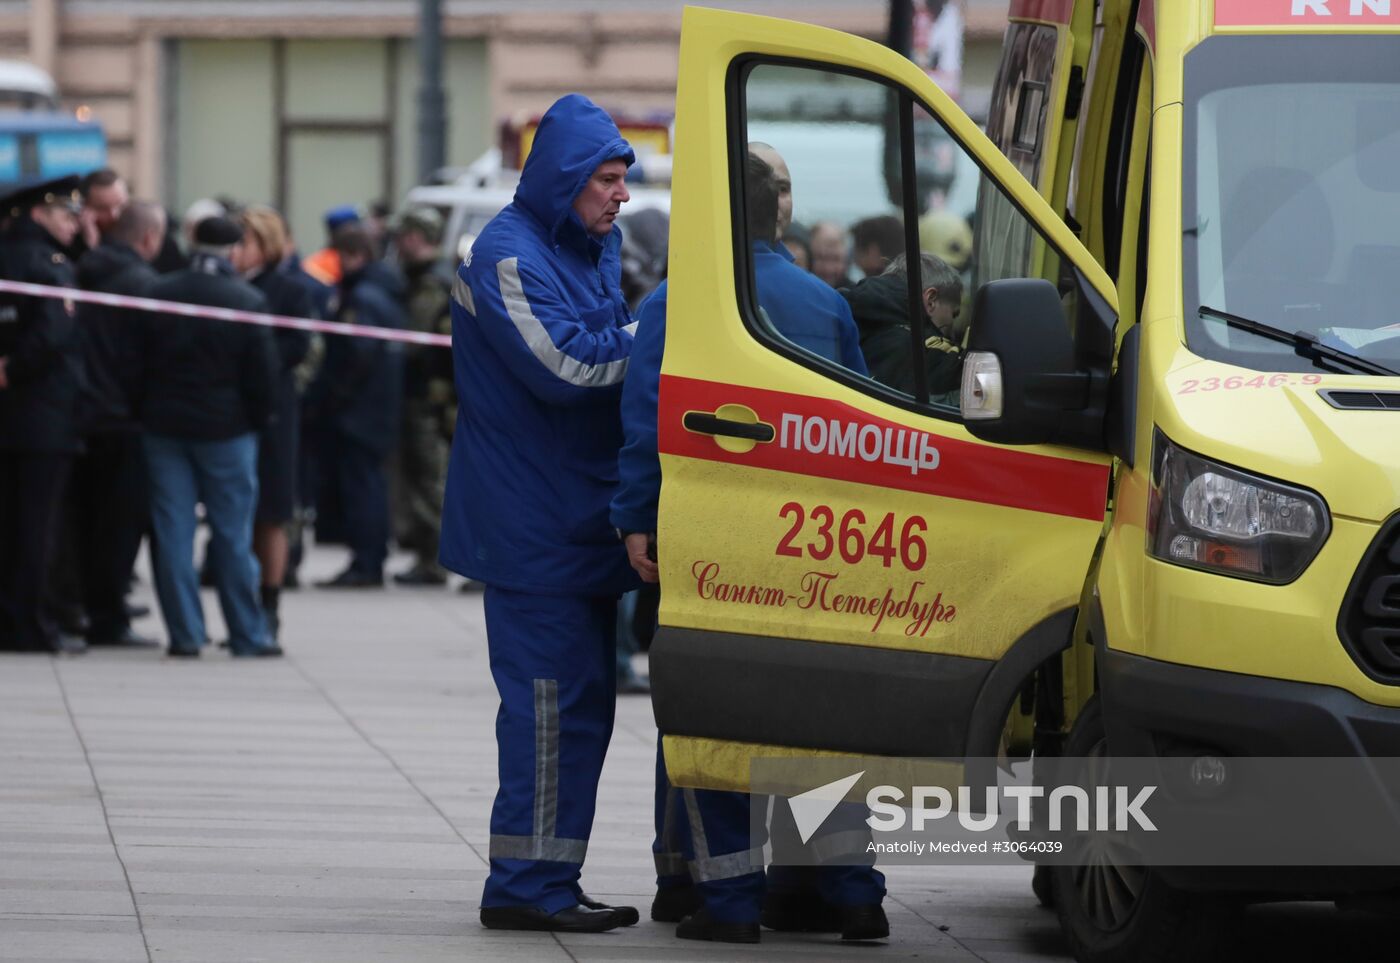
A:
[845,568]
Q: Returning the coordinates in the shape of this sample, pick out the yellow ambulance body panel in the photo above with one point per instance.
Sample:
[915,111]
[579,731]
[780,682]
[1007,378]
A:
[1167,485]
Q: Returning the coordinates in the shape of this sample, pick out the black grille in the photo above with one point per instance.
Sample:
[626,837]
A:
[1362,400]
[1369,623]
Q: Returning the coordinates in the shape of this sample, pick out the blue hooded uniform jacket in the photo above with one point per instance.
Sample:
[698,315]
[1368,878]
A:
[541,338]
[802,308]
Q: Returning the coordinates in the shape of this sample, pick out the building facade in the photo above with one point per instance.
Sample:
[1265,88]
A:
[306,104]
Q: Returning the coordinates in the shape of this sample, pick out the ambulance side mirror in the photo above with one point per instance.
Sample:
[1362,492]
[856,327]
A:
[1023,383]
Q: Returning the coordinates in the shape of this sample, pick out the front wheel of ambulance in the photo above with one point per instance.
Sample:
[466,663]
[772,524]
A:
[1114,912]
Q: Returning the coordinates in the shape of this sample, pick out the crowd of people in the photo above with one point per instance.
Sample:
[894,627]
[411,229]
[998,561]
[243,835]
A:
[118,424]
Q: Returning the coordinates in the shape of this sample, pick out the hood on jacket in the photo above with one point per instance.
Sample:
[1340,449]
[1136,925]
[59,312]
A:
[879,302]
[574,137]
[104,262]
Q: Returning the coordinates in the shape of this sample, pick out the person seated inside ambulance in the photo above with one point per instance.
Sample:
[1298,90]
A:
[794,305]
[880,307]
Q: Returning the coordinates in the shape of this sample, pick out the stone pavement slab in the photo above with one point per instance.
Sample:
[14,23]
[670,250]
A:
[335,805]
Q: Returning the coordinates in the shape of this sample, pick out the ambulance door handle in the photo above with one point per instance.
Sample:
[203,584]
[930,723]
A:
[705,423]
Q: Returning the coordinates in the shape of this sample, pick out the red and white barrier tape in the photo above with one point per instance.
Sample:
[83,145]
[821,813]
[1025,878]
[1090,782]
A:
[226,314]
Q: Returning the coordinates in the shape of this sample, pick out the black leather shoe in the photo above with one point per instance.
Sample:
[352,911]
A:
[700,926]
[273,651]
[575,919]
[126,638]
[351,579]
[860,924]
[675,903]
[65,644]
[800,911]
[180,652]
[421,577]
[72,620]
[626,915]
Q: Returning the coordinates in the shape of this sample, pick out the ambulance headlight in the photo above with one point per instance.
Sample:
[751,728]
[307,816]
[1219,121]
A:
[981,396]
[1210,516]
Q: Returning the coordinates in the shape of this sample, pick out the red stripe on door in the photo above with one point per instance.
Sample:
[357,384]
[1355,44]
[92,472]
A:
[1050,11]
[828,439]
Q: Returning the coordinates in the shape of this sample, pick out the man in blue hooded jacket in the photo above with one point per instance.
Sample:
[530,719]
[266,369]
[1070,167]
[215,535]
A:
[541,338]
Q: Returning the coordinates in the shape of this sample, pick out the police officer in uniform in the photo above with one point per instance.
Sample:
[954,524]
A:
[41,389]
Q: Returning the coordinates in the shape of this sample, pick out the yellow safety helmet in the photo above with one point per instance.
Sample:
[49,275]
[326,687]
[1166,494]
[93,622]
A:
[947,236]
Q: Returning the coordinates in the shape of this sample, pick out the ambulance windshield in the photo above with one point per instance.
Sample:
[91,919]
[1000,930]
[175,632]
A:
[1291,195]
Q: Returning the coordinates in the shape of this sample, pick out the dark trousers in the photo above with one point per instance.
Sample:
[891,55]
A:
[31,491]
[110,513]
[363,487]
[422,476]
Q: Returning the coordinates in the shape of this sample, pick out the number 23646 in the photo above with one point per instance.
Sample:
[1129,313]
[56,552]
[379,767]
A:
[852,536]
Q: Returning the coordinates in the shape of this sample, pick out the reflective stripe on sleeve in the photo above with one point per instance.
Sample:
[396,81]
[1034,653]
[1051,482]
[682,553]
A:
[462,294]
[541,345]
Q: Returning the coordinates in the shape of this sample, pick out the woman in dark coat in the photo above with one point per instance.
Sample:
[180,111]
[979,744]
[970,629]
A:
[259,257]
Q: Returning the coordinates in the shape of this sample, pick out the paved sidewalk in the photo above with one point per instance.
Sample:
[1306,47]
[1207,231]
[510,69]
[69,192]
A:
[333,806]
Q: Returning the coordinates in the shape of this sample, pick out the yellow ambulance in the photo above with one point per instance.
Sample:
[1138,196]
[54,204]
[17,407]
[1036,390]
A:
[1159,514]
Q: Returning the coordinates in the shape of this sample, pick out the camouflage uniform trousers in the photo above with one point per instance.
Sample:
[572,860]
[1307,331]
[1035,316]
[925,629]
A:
[422,477]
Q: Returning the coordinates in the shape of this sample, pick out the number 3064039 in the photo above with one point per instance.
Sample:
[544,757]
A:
[852,536]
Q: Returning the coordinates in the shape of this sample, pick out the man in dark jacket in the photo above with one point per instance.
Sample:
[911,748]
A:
[41,384]
[541,336]
[722,895]
[208,392]
[880,305]
[355,403]
[108,498]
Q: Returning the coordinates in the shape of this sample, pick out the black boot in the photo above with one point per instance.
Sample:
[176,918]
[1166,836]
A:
[861,924]
[271,600]
[701,926]
[674,903]
[800,911]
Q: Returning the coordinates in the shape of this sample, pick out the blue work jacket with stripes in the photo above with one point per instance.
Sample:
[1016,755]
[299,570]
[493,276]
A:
[541,336]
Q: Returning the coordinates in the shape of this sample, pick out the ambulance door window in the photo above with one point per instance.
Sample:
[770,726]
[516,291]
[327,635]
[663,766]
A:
[1017,123]
[894,221]
[819,215]
[966,245]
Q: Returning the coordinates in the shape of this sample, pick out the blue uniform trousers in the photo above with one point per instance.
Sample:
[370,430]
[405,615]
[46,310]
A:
[552,658]
[707,838]
[846,875]
[668,845]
